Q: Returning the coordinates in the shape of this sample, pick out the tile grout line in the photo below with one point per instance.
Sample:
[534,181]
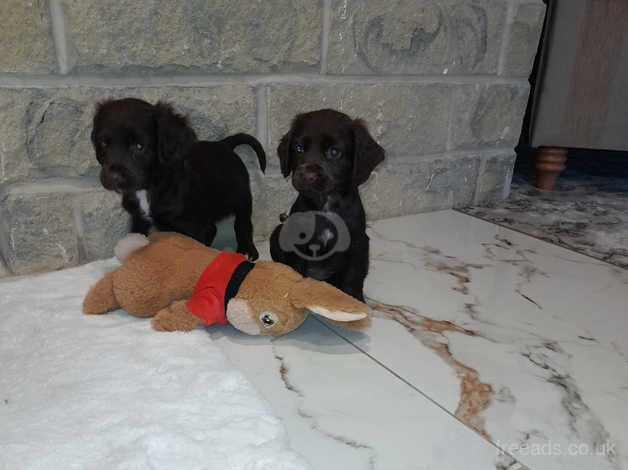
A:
[506,37]
[508,180]
[79,229]
[535,237]
[326,26]
[416,389]
[183,80]
[262,99]
[59,37]
[481,170]
[261,115]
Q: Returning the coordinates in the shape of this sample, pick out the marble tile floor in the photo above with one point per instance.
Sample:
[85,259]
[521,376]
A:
[489,349]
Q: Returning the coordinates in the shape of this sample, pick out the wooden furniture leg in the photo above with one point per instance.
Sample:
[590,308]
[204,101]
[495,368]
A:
[550,161]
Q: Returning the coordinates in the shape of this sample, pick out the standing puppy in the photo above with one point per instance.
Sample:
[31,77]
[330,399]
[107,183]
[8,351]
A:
[329,155]
[168,179]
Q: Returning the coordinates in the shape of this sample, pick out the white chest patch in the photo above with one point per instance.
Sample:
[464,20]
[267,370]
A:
[325,236]
[142,198]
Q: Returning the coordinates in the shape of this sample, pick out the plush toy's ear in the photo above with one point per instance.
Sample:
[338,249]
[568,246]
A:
[367,153]
[325,300]
[173,132]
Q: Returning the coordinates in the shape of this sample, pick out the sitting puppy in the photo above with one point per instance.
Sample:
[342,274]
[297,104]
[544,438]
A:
[169,180]
[329,155]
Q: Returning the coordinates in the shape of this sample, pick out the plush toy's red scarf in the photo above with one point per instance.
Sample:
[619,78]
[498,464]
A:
[210,298]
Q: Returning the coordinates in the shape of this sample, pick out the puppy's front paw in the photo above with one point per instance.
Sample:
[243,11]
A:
[250,251]
[253,254]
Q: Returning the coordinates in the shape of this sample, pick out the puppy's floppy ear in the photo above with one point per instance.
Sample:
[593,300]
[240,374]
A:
[173,134]
[367,153]
[92,136]
[283,150]
[96,121]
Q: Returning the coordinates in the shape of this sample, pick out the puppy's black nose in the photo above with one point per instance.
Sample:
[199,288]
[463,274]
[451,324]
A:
[308,178]
[117,178]
[307,173]
[112,177]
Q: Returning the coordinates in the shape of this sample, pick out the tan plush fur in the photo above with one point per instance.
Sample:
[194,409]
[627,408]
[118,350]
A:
[155,280]
[175,318]
[101,297]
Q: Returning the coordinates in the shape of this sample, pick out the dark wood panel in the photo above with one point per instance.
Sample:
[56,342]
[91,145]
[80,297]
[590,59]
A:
[581,99]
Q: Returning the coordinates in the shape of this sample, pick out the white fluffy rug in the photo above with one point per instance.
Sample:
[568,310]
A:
[94,392]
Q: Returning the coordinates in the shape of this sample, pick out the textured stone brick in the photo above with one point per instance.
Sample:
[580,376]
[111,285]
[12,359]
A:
[37,230]
[494,178]
[195,35]
[524,39]
[415,36]
[4,271]
[14,105]
[272,195]
[214,111]
[103,221]
[58,133]
[424,185]
[406,119]
[487,115]
[26,44]
[393,189]
[46,132]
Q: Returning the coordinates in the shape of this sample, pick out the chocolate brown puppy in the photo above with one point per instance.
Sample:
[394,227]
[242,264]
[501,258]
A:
[168,179]
[329,155]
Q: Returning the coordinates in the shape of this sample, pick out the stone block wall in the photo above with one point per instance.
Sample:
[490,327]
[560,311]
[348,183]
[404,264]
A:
[442,85]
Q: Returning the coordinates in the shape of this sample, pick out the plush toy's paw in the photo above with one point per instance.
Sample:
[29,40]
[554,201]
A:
[176,317]
[100,298]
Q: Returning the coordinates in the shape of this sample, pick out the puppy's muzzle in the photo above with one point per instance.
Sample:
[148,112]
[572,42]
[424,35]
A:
[112,178]
[309,177]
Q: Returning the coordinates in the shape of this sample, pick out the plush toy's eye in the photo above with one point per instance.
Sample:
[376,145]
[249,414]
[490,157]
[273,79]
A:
[268,319]
[298,148]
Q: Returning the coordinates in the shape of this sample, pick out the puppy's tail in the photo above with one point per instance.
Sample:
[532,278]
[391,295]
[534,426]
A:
[245,139]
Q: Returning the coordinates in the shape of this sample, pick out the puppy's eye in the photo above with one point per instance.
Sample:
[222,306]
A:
[298,148]
[103,143]
[138,146]
[268,319]
[333,152]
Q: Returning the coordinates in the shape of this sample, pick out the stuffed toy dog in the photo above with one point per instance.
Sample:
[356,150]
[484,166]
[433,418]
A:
[185,284]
